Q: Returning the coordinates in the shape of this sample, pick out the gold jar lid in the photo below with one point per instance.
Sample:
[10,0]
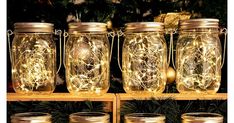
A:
[34,27]
[202,117]
[144,27]
[199,23]
[87,27]
[37,117]
[89,117]
[144,118]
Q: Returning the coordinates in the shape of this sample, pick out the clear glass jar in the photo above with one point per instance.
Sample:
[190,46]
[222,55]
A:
[87,59]
[33,58]
[144,58]
[202,117]
[144,118]
[198,57]
[89,117]
[31,117]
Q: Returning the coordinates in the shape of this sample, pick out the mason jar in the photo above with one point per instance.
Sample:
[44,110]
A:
[144,118]
[144,58]
[87,58]
[198,56]
[31,117]
[89,117]
[33,58]
[202,117]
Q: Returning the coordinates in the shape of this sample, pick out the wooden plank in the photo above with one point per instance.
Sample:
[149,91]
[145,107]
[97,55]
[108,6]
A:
[59,97]
[176,96]
[114,113]
[118,106]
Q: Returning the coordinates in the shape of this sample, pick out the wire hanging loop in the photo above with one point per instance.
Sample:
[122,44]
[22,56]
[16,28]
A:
[65,35]
[9,33]
[171,48]
[119,34]
[112,35]
[224,31]
[59,33]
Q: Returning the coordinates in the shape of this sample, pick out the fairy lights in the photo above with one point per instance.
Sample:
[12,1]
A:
[87,64]
[32,70]
[199,67]
[144,63]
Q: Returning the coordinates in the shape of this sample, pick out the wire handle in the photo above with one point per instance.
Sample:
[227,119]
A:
[224,31]
[119,33]
[9,33]
[111,34]
[59,32]
[171,52]
[65,35]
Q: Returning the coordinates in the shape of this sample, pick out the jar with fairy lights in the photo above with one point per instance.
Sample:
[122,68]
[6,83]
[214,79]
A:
[198,56]
[89,117]
[144,118]
[144,58]
[31,117]
[87,58]
[33,57]
[201,117]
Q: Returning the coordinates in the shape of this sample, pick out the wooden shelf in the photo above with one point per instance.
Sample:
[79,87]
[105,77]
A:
[59,97]
[108,99]
[121,98]
[113,101]
[176,96]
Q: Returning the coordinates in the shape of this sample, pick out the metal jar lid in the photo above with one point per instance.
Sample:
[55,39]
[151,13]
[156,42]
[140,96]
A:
[87,27]
[144,27]
[144,118]
[199,23]
[202,117]
[34,27]
[89,117]
[38,117]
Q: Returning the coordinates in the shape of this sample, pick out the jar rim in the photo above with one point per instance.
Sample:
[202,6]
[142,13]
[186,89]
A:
[33,27]
[31,116]
[202,116]
[149,116]
[144,26]
[87,27]
[199,23]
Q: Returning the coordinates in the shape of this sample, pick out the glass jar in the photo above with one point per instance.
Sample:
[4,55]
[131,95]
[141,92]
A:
[87,59]
[144,118]
[31,117]
[89,117]
[33,58]
[202,117]
[144,58]
[198,56]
